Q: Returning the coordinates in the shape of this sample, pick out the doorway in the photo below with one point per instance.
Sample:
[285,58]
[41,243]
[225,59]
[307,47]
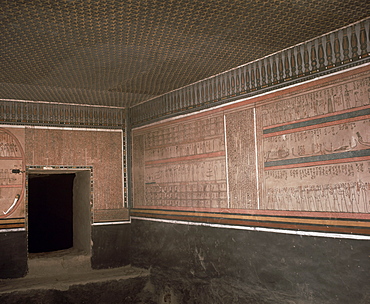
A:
[59,216]
[50,212]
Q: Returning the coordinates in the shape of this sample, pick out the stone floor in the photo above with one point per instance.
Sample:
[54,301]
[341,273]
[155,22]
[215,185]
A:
[65,271]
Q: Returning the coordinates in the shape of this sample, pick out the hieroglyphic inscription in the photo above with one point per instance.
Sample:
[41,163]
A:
[343,137]
[203,170]
[11,184]
[8,147]
[337,188]
[352,94]
[186,149]
[318,164]
[241,155]
[190,138]
[7,178]
[313,154]
[184,164]
[138,168]
[190,184]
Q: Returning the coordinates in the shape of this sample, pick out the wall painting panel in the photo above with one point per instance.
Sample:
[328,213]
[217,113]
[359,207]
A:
[295,159]
[184,165]
[12,183]
[101,151]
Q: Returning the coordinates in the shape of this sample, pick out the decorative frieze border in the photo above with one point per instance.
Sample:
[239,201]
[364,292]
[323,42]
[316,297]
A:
[332,52]
[324,222]
[67,115]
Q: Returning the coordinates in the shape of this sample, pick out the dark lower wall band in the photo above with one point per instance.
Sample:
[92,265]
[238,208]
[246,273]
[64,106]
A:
[13,254]
[197,264]
[111,246]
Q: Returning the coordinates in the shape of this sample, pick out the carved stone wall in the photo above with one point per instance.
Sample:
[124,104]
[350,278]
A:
[12,185]
[277,160]
[99,150]
[184,164]
[34,135]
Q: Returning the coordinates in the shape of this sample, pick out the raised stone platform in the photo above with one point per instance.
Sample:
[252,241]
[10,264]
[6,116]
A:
[66,277]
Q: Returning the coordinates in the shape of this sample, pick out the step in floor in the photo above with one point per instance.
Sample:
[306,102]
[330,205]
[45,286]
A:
[60,270]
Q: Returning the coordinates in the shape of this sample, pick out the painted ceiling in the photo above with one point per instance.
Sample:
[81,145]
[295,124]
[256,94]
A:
[121,53]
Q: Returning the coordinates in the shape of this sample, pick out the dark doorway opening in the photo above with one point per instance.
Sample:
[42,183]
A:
[50,212]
